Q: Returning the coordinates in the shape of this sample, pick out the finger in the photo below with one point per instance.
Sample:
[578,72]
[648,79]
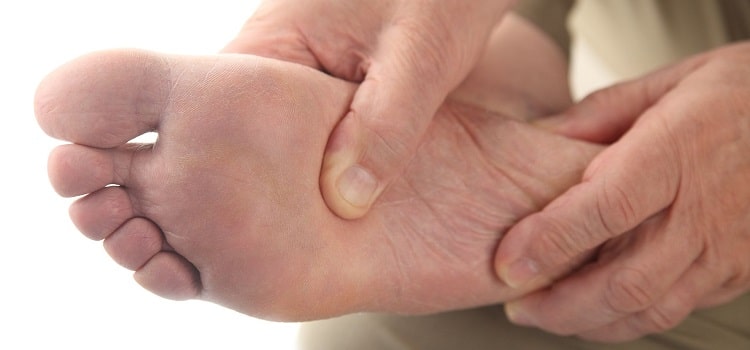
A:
[668,312]
[389,114]
[637,271]
[104,99]
[630,181]
[605,115]
[75,170]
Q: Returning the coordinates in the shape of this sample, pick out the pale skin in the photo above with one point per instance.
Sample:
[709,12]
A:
[226,205]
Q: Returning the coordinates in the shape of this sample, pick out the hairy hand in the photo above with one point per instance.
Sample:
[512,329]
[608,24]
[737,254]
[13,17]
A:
[659,225]
[407,54]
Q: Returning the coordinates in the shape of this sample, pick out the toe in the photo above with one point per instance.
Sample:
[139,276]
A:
[170,276]
[104,99]
[75,170]
[99,214]
[134,243]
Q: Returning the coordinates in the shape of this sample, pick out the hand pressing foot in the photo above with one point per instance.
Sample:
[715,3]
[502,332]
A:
[225,206]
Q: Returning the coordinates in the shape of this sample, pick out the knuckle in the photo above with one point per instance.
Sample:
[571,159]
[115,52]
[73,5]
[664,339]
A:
[387,147]
[615,210]
[393,139]
[426,41]
[556,241]
[628,290]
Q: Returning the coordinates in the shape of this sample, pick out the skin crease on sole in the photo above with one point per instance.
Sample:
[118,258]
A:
[225,206]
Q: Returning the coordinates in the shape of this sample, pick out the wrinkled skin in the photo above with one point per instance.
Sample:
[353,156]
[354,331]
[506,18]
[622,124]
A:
[667,203]
[407,55]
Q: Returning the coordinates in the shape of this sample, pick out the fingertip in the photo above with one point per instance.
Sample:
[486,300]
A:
[348,188]
[517,315]
[523,274]
[509,250]
[349,191]
[519,273]
[517,261]
[357,187]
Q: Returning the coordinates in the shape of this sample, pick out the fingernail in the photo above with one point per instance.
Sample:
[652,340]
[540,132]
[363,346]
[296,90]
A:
[357,186]
[517,315]
[521,272]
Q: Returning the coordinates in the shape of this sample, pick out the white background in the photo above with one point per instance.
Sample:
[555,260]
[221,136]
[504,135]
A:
[58,289]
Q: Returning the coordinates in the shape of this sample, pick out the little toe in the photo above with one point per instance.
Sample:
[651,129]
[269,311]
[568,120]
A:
[170,276]
[75,170]
[134,243]
[104,99]
[99,214]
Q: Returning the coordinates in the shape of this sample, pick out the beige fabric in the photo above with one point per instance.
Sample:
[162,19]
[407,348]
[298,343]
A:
[726,328]
[550,16]
[736,13]
[636,36]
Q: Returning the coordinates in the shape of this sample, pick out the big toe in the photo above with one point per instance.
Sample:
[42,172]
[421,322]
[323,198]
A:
[104,99]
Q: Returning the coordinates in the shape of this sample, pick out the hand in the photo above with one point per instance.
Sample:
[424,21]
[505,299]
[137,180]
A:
[660,217]
[408,56]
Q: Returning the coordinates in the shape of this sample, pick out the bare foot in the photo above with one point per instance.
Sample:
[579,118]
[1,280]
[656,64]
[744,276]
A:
[226,205]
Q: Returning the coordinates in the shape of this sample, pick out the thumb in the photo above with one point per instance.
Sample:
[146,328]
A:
[390,111]
[624,186]
[605,115]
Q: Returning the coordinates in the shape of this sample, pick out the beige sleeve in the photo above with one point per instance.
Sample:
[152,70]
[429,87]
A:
[550,16]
